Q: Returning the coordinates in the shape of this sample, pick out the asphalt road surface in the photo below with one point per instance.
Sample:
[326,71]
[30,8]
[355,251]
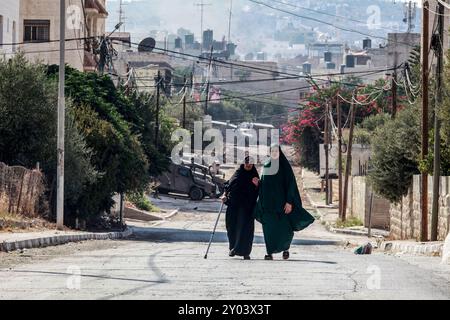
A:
[165,261]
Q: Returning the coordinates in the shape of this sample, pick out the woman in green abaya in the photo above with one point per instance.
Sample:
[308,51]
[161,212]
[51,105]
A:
[279,208]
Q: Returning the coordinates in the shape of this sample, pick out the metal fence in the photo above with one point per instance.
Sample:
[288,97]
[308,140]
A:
[20,190]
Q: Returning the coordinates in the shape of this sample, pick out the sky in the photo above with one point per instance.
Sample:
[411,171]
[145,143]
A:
[186,15]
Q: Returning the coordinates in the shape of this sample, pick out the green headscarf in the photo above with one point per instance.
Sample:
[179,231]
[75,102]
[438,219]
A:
[278,189]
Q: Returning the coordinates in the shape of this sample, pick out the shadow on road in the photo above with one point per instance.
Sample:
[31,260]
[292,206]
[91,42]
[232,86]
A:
[88,276]
[294,260]
[181,235]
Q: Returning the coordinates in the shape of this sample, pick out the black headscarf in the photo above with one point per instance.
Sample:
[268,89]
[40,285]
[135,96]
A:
[240,189]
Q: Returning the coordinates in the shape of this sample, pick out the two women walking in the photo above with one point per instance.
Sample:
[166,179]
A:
[274,201]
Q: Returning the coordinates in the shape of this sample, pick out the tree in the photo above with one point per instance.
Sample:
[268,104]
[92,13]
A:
[105,117]
[28,104]
[396,146]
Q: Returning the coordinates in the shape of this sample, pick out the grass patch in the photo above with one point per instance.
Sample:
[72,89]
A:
[348,223]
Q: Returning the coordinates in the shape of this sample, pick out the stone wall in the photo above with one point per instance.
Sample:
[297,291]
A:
[406,215]
[359,193]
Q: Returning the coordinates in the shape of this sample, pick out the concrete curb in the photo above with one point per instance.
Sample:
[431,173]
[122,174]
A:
[427,249]
[172,214]
[42,242]
[132,213]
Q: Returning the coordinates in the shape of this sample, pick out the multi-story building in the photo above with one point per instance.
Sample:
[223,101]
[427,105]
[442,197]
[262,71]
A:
[144,68]
[9,21]
[39,30]
[208,39]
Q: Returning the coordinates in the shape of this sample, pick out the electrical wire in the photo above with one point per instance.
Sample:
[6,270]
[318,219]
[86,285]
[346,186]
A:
[236,65]
[326,23]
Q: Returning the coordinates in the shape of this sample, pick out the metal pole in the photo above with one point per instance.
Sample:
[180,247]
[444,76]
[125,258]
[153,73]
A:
[121,210]
[209,80]
[184,103]
[61,122]
[214,231]
[339,121]
[229,21]
[425,97]
[437,128]
[330,144]
[369,234]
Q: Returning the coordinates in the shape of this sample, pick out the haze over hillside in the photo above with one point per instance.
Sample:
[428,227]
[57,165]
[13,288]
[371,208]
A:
[253,25]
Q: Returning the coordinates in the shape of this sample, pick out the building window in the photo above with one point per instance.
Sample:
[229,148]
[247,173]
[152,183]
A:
[36,30]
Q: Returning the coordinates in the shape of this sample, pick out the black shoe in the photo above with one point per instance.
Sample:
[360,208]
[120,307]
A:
[232,253]
[247,258]
[268,257]
[286,255]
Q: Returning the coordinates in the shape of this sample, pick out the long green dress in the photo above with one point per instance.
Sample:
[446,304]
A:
[274,192]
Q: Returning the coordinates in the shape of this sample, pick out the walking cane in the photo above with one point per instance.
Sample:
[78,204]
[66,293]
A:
[214,231]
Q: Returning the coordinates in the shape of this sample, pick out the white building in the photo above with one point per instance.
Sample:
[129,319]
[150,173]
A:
[34,24]
[9,22]
[39,30]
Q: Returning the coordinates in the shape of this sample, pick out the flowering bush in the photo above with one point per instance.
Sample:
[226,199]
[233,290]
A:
[304,130]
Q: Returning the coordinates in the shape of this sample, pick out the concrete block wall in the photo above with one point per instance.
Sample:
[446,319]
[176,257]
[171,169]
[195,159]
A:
[359,193]
[406,215]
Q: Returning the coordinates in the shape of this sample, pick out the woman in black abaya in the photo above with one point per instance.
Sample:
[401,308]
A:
[240,196]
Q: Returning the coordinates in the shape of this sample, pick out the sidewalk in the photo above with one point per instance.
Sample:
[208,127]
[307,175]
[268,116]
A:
[10,241]
[330,214]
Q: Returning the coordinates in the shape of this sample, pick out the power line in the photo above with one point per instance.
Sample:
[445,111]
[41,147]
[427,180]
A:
[46,41]
[326,23]
[243,66]
[328,14]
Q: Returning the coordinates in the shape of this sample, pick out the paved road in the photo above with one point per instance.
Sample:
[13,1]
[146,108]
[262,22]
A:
[165,261]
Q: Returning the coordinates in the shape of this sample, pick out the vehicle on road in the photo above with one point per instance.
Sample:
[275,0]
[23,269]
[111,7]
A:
[189,178]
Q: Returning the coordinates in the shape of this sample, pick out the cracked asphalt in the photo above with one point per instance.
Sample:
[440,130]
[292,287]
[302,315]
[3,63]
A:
[165,261]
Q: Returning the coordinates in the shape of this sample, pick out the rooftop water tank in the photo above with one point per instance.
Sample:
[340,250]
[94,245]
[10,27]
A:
[350,61]
[367,44]
[331,65]
[307,68]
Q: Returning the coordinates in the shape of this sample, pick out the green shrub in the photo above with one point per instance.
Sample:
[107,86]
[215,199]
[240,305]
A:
[141,202]
[396,150]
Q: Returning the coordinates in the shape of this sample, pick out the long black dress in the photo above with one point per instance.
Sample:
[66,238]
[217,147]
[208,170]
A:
[240,223]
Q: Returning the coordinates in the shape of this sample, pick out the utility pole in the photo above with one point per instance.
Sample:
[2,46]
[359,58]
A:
[158,84]
[121,15]
[184,103]
[229,21]
[61,119]
[394,87]
[410,15]
[348,164]
[425,97]
[339,123]
[202,6]
[330,144]
[438,44]
[208,81]
[327,155]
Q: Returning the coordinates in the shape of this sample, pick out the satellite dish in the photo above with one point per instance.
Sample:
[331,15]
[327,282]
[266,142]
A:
[147,45]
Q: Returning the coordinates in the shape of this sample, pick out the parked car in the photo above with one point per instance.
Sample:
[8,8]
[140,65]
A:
[191,179]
